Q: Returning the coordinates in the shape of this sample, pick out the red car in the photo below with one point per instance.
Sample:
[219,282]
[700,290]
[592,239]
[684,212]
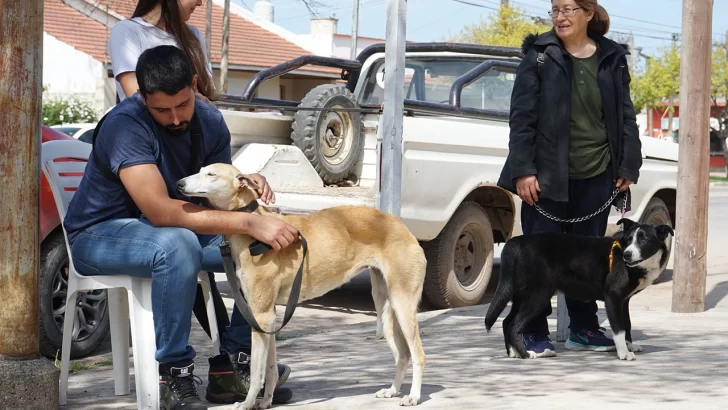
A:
[91,311]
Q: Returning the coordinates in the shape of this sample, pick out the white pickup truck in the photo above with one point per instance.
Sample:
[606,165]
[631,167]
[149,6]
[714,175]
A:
[455,141]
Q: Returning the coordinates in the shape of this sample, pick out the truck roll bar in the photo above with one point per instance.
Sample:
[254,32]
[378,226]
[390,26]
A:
[296,63]
[474,74]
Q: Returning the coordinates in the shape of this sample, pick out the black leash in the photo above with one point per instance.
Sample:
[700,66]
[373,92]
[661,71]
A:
[258,248]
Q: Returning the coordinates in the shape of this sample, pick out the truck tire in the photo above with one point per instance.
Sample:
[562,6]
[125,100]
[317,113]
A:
[331,141]
[657,213]
[460,259]
[91,307]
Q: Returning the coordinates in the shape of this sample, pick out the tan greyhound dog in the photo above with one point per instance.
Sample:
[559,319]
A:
[342,241]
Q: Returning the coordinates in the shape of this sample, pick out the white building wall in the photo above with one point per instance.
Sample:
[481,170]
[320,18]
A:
[342,45]
[70,72]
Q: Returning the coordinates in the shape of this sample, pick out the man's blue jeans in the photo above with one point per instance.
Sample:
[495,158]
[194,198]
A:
[173,258]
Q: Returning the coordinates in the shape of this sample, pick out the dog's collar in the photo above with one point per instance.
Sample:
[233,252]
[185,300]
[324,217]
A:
[249,208]
[615,244]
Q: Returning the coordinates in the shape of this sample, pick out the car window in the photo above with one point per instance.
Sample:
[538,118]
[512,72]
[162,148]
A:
[86,136]
[430,79]
[67,130]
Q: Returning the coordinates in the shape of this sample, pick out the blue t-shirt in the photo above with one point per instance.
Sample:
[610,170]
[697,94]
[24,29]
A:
[130,136]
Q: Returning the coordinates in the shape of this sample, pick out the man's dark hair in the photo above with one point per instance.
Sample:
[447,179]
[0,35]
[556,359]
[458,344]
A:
[163,68]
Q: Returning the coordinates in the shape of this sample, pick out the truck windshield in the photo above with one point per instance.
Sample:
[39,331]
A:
[430,78]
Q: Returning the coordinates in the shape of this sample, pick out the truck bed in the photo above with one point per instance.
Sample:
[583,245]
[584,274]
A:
[306,199]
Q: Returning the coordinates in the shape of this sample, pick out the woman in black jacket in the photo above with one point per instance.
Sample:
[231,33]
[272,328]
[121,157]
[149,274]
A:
[573,141]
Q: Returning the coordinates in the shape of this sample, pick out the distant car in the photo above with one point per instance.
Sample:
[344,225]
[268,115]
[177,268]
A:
[90,312]
[81,131]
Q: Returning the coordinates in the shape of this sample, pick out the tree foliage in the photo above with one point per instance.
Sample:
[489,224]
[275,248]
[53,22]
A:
[659,81]
[506,27]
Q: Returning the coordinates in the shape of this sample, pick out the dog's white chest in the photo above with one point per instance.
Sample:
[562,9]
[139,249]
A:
[653,269]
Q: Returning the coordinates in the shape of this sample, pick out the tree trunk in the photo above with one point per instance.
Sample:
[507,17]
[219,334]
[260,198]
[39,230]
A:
[670,115]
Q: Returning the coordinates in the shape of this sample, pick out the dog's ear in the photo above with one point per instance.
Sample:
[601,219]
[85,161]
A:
[663,231]
[246,181]
[626,223]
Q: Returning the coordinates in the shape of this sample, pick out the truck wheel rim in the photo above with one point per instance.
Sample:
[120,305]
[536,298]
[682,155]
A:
[336,136]
[89,309]
[470,256]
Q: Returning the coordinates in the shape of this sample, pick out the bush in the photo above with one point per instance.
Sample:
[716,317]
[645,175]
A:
[67,111]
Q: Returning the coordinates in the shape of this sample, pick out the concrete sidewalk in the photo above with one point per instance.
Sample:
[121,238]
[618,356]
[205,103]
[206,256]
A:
[341,366]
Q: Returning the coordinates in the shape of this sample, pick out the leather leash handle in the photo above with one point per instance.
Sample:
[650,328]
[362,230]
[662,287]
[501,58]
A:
[239,297]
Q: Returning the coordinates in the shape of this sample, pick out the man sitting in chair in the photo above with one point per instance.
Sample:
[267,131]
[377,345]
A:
[128,218]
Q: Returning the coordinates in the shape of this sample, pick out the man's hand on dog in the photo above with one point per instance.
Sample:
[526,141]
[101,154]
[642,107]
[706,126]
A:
[528,189]
[273,231]
[265,192]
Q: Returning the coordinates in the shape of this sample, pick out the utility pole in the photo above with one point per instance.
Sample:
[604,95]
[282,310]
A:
[354,29]
[28,380]
[225,40]
[691,231]
[208,29]
[389,144]
[671,107]
[633,54]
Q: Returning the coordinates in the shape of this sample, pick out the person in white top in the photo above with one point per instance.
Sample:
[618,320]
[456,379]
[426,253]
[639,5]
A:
[164,22]
[155,23]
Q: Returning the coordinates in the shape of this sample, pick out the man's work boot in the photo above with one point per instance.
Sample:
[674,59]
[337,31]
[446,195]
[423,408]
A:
[178,387]
[229,380]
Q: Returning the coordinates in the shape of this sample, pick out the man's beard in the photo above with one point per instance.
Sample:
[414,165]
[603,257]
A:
[179,129]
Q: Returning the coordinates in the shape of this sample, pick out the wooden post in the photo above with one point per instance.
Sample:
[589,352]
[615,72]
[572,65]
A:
[389,144]
[208,29]
[691,231]
[225,41]
[27,380]
[21,68]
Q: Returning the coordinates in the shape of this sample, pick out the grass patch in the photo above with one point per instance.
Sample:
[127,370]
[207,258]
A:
[718,179]
[75,367]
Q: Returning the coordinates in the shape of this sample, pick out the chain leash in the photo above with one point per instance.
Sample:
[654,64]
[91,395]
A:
[587,217]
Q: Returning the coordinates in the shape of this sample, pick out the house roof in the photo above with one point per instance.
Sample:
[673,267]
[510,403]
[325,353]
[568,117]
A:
[251,47]
[75,29]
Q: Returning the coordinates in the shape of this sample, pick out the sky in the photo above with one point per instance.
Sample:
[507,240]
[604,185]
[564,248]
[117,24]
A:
[651,21]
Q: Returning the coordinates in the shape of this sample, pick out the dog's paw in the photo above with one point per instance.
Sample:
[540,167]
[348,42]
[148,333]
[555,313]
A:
[386,393]
[627,356]
[512,353]
[244,406]
[409,401]
[634,347]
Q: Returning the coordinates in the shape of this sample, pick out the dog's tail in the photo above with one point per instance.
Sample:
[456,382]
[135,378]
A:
[504,290]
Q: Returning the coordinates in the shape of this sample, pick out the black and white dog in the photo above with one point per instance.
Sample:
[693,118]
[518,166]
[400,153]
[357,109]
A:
[613,269]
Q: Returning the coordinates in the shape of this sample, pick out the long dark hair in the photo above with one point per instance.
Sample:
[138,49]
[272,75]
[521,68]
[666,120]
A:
[599,24]
[185,38]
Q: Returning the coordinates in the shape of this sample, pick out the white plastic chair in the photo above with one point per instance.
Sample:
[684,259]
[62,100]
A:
[63,178]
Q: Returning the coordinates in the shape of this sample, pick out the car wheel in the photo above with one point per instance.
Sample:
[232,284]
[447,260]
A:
[332,141]
[91,315]
[460,259]
[657,213]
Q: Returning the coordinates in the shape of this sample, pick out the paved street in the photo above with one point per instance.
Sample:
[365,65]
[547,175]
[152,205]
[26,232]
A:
[337,363]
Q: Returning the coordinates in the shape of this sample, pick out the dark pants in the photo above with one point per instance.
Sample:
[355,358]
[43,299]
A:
[585,197]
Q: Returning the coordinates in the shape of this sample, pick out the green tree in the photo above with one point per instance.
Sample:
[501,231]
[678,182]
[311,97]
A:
[506,27]
[719,91]
[659,81]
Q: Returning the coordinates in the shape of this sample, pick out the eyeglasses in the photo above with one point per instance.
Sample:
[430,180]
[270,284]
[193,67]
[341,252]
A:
[567,12]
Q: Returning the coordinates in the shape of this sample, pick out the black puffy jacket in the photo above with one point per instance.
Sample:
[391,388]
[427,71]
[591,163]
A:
[540,116]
